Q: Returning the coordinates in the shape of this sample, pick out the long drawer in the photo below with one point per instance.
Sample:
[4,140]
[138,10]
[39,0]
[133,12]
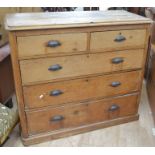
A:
[51,44]
[81,89]
[81,114]
[117,40]
[48,69]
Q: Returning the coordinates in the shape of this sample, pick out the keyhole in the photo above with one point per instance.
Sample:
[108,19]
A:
[87,80]
[76,112]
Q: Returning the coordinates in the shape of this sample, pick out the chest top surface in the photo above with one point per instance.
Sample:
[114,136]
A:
[30,21]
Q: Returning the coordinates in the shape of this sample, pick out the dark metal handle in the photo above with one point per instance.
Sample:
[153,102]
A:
[57,118]
[55,67]
[117,60]
[53,43]
[55,93]
[114,107]
[115,84]
[119,38]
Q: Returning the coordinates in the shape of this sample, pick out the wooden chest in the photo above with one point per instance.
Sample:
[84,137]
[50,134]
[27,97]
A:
[76,71]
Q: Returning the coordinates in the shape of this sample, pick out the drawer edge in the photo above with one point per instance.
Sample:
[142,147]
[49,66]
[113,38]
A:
[89,101]
[80,77]
[34,139]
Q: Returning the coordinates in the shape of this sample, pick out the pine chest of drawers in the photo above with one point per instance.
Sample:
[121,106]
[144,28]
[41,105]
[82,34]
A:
[76,71]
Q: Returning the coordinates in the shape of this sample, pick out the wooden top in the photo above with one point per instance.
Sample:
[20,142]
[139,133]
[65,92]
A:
[25,21]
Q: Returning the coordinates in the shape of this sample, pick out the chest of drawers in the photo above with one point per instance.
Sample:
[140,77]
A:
[76,71]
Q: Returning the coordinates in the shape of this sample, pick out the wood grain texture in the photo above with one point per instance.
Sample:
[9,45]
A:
[133,134]
[87,29]
[27,21]
[81,114]
[105,41]
[78,65]
[35,139]
[37,45]
[36,96]
[17,82]
[37,72]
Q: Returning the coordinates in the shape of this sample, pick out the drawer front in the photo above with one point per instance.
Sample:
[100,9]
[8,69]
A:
[81,114]
[81,89]
[117,40]
[47,69]
[51,44]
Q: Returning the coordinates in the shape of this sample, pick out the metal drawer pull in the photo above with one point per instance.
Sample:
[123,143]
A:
[115,84]
[57,118]
[119,38]
[114,107]
[53,43]
[117,60]
[55,93]
[55,67]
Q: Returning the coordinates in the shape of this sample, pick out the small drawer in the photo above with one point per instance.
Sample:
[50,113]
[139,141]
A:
[48,69]
[81,114]
[117,40]
[53,94]
[54,44]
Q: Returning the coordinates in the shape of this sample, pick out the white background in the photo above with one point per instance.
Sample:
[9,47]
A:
[75,3]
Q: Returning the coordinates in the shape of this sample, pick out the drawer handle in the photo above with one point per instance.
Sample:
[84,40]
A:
[119,38]
[55,93]
[55,67]
[114,107]
[53,43]
[57,118]
[115,84]
[117,60]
